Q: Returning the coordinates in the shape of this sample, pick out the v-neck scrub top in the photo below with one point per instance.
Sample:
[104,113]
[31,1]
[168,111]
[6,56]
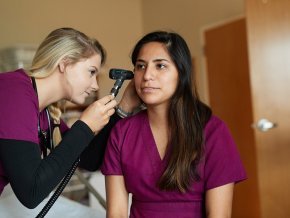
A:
[132,153]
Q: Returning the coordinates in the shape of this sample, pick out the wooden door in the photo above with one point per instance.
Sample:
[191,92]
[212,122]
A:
[268,29]
[230,98]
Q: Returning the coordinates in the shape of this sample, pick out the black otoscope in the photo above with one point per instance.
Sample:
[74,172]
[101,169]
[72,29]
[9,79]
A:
[119,75]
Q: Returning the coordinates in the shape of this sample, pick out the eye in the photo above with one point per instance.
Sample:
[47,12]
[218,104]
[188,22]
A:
[93,72]
[140,66]
[160,66]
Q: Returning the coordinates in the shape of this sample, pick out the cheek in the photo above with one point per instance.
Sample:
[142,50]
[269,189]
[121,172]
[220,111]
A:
[171,81]
[137,81]
[175,80]
[81,84]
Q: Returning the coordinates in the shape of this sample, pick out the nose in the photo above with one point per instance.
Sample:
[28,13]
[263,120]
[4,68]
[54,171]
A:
[149,73]
[95,86]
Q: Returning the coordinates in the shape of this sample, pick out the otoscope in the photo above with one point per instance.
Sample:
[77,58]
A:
[119,75]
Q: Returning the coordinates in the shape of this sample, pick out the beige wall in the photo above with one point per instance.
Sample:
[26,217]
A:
[117,24]
[189,17]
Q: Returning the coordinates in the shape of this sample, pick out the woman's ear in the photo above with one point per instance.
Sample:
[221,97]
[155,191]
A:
[61,66]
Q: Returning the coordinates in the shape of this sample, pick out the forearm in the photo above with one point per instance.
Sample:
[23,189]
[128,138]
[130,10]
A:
[33,178]
[116,215]
[117,197]
[219,201]
[216,215]
[92,157]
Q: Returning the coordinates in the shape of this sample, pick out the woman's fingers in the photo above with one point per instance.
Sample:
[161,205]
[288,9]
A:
[106,99]
[97,115]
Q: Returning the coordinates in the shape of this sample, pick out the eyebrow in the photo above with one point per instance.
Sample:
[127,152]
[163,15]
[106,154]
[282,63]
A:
[155,60]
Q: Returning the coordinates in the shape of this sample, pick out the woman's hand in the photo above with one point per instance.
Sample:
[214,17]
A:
[130,99]
[98,114]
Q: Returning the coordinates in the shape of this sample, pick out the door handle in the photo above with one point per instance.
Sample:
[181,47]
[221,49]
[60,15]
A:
[264,125]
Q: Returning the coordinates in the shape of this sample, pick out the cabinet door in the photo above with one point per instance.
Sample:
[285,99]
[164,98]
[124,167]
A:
[230,98]
[268,29]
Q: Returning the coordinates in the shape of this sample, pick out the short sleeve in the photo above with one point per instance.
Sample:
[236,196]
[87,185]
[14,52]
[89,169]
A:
[19,109]
[223,164]
[112,160]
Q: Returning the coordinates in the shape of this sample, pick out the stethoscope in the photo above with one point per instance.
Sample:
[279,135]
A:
[48,135]
[41,133]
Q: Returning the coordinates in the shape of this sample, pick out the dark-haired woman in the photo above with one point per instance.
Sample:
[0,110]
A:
[175,157]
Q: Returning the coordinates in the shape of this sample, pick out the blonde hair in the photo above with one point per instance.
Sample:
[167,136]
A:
[63,43]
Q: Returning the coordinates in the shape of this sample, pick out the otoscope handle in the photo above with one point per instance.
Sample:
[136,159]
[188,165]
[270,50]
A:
[116,87]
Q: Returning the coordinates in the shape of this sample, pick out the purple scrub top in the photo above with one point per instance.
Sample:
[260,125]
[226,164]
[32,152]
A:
[19,112]
[132,153]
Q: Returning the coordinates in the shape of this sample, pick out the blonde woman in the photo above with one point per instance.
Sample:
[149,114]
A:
[65,66]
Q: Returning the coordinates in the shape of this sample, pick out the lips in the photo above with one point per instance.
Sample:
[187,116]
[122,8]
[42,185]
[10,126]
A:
[149,89]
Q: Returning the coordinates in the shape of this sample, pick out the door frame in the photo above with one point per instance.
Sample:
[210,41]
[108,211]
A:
[203,71]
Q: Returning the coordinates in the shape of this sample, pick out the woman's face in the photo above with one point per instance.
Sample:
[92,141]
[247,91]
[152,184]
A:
[155,74]
[81,78]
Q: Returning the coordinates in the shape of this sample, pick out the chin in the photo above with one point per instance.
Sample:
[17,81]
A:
[79,101]
[150,103]
[151,100]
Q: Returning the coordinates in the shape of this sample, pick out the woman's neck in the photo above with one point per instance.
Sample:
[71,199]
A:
[158,116]
[158,119]
[49,90]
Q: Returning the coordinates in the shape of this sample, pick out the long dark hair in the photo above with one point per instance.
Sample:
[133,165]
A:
[187,114]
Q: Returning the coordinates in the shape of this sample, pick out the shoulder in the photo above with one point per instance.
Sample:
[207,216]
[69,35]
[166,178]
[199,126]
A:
[15,83]
[129,128]
[16,90]
[133,121]
[19,105]
[14,76]
[218,136]
[214,124]
[223,164]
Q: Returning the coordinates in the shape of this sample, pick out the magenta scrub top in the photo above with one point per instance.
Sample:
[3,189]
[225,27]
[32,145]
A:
[132,152]
[19,112]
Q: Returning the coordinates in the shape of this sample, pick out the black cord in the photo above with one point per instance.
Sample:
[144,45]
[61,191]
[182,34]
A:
[58,191]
